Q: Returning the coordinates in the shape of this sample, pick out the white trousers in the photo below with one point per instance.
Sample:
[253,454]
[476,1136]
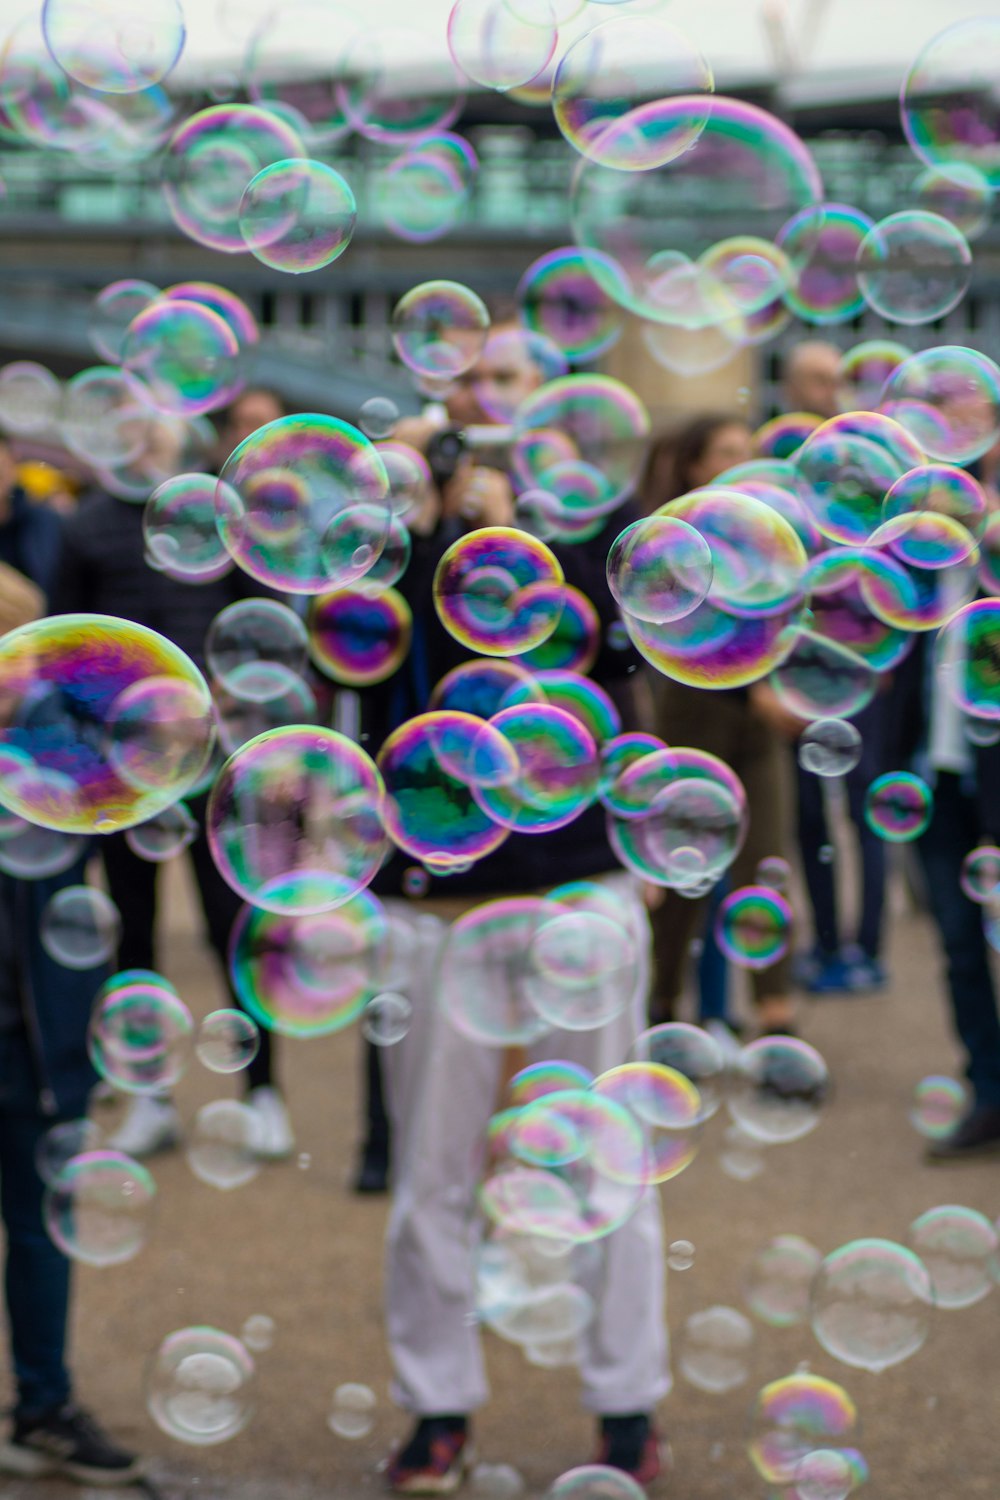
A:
[442,1090]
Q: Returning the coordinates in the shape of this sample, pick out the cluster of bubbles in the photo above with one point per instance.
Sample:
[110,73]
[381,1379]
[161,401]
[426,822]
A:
[815,567]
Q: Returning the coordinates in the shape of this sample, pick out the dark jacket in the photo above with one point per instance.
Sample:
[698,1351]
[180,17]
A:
[103,570]
[523,862]
[30,540]
[909,727]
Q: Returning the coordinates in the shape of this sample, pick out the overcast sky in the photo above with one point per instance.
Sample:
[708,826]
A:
[831,35]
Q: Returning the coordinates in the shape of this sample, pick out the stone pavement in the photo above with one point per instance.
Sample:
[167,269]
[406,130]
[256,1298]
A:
[296,1245]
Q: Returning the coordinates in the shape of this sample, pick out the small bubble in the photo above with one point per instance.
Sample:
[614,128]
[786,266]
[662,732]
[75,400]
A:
[680,1256]
[305,1161]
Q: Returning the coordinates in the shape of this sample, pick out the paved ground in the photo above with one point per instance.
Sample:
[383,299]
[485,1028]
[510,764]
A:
[294,1244]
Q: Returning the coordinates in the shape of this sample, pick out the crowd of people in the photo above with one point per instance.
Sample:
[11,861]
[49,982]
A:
[430,1098]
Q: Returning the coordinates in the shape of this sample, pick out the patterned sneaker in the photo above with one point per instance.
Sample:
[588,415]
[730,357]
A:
[434,1461]
[67,1442]
[633,1445]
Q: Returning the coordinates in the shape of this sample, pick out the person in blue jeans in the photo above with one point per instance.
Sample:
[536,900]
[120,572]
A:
[965,778]
[45,1079]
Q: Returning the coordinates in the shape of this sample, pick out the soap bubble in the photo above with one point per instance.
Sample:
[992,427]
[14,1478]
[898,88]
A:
[385,1020]
[107,723]
[302,504]
[959,1247]
[294,822]
[30,397]
[830,747]
[112,312]
[227,1041]
[690,1051]
[753,926]
[660,569]
[824,1474]
[99,1208]
[200,1386]
[59,1145]
[257,1333]
[780,1089]
[164,836]
[871,1303]
[794,1417]
[980,877]
[297,215]
[714,1353]
[114,46]
[898,806]
[308,975]
[948,101]
[913,267]
[222,1148]
[352,1414]
[499,47]
[938,1106]
[140,1034]
[595,1482]
[79,927]
[439,329]
[778,1280]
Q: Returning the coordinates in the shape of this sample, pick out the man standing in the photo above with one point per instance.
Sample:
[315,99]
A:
[813,383]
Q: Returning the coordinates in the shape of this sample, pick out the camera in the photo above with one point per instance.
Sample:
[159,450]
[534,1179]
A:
[489,447]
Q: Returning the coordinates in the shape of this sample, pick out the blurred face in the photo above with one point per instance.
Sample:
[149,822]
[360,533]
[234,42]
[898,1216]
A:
[502,377]
[814,383]
[251,411]
[728,446]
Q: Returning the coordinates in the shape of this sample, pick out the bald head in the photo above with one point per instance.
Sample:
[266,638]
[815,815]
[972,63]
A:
[812,379]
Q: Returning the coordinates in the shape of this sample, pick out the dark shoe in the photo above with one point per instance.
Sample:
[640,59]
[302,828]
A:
[633,1445]
[373,1171]
[435,1459]
[977,1135]
[830,975]
[864,972]
[67,1442]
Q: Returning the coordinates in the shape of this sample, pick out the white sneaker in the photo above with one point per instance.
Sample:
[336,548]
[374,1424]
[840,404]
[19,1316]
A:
[150,1125]
[275,1138]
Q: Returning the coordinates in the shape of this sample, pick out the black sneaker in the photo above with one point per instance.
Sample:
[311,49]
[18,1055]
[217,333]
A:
[633,1445]
[435,1459]
[977,1135]
[67,1441]
[372,1175]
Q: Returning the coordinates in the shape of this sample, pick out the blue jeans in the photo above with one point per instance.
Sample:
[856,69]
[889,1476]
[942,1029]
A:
[37,1274]
[953,831]
[713,968]
[814,834]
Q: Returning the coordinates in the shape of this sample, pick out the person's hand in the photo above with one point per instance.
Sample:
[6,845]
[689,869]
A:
[479,497]
[653,896]
[767,706]
[20,601]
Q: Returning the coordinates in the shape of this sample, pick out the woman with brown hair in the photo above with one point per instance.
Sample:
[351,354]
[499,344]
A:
[747,727]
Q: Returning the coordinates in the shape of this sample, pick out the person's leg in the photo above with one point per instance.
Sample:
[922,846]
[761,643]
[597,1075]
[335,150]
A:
[221,906]
[150,1123]
[814,838]
[132,887]
[713,967]
[37,1276]
[765,770]
[675,924]
[871,724]
[441,1092]
[372,1175]
[625,1365]
[953,831]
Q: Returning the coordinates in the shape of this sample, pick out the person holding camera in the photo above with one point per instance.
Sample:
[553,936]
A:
[442,1088]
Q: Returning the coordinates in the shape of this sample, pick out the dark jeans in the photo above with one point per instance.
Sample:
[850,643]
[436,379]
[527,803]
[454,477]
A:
[132,883]
[814,835]
[37,1274]
[713,967]
[953,831]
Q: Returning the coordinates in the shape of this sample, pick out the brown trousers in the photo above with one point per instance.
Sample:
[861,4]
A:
[724,724]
